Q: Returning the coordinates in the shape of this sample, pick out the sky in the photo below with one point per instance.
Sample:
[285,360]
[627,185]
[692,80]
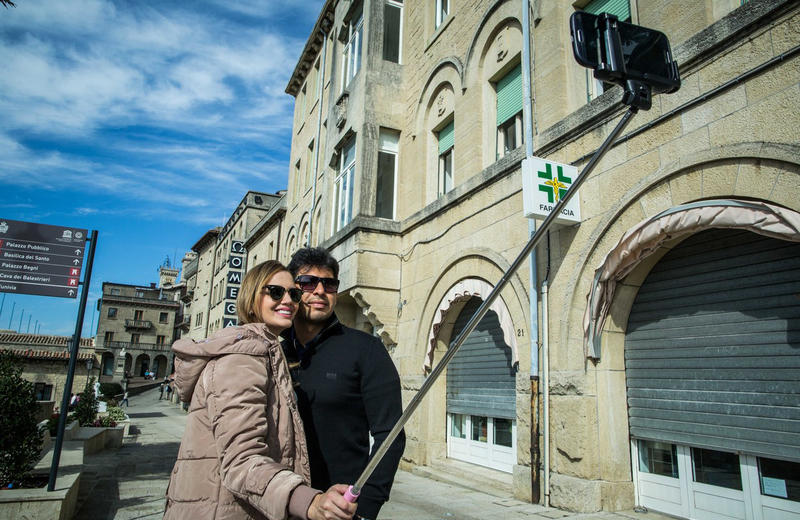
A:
[147,121]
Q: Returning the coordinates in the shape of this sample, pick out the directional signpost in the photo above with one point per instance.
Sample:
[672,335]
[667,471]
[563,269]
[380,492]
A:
[46,260]
[40,259]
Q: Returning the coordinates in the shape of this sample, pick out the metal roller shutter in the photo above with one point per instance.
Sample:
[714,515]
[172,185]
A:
[480,377]
[712,349]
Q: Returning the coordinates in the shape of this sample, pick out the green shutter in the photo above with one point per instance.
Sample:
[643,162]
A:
[446,138]
[509,95]
[620,8]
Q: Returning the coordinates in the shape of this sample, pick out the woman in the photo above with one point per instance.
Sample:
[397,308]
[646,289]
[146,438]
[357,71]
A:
[243,453]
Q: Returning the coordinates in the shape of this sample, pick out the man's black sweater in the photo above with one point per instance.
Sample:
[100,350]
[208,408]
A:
[347,387]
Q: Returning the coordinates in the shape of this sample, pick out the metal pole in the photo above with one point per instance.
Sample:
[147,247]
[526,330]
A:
[73,357]
[355,489]
[21,315]
[29,323]
[2,304]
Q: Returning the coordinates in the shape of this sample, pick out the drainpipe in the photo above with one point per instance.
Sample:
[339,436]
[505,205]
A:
[546,394]
[321,89]
[527,117]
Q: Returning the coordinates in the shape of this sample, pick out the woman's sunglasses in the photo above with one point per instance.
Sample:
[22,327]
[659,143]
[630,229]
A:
[308,283]
[276,292]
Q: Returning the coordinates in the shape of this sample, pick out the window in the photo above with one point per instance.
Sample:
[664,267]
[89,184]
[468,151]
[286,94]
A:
[135,339]
[717,468]
[160,340]
[509,111]
[138,315]
[343,186]
[658,458]
[43,391]
[351,54]
[387,173]
[392,30]
[112,312]
[622,10]
[296,182]
[442,9]
[140,294]
[115,292]
[310,166]
[198,319]
[108,337]
[780,478]
[163,317]
[446,144]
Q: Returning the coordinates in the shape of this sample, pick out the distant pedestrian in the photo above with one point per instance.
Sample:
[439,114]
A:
[124,399]
[161,388]
[169,390]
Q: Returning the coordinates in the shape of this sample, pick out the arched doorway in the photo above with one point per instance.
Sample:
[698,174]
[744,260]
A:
[160,366]
[712,351]
[142,364]
[481,394]
[107,364]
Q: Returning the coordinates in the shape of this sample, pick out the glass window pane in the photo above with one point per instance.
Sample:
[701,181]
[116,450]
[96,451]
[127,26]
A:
[502,432]
[458,425]
[479,428]
[780,478]
[384,204]
[391,32]
[717,468]
[658,458]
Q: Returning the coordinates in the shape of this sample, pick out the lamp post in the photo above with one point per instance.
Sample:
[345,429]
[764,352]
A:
[89,363]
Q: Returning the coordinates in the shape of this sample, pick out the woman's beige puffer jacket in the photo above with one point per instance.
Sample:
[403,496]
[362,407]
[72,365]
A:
[243,453]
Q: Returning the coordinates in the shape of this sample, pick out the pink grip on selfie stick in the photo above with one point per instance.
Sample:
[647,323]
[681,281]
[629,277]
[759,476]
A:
[350,495]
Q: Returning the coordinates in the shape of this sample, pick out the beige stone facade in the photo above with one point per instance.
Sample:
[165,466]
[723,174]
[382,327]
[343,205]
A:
[45,361]
[729,132]
[136,328]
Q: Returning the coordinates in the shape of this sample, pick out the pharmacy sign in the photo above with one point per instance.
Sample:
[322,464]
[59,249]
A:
[544,184]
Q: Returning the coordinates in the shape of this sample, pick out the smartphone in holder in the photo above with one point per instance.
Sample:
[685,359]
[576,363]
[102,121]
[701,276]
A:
[620,51]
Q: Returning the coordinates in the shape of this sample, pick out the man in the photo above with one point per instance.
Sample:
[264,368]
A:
[347,387]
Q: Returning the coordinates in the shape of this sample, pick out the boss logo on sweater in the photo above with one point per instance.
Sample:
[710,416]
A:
[331,376]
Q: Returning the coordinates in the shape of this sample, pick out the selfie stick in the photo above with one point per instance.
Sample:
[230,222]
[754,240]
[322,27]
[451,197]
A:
[634,95]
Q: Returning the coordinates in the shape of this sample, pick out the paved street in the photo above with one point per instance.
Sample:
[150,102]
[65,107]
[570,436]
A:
[129,483]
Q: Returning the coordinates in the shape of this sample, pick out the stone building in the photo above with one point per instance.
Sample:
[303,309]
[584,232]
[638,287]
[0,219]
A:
[229,261]
[646,354]
[137,326]
[406,156]
[45,361]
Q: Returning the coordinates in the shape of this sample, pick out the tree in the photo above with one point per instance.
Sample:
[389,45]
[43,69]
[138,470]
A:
[20,437]
[86,409]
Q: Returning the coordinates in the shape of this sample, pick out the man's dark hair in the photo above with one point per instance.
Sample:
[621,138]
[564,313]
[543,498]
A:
[313,257]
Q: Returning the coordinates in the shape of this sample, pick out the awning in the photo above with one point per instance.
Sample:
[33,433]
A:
[647,236]
[462,291]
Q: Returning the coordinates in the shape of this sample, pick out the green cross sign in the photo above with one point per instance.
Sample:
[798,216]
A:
[557,187]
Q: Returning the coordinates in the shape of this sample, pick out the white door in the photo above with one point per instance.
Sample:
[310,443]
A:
[703,484]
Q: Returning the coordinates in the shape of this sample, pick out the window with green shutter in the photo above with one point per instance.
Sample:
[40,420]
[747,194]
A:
[509,95]
[619,8]
[446,143]
[446,137]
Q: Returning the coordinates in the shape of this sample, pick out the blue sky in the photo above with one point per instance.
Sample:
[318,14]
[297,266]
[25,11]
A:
[147,121]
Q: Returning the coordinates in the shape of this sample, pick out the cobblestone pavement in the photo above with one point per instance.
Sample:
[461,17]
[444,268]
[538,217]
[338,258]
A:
[129,483]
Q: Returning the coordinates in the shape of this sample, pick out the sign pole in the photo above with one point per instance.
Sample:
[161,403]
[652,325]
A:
[73,358]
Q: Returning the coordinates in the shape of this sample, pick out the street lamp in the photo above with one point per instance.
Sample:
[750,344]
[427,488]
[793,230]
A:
[89,363]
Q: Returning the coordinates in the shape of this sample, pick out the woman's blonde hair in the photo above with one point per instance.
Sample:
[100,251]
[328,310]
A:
[247,302]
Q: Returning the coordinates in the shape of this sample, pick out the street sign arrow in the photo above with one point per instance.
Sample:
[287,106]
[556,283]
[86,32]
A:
[71,292]
[77,251]
[76,261]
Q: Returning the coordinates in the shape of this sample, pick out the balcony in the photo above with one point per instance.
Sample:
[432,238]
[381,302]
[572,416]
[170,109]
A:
[119,345]
[138,324]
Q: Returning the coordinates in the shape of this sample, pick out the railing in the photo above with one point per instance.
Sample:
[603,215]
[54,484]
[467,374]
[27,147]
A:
[138,324]
[134,346]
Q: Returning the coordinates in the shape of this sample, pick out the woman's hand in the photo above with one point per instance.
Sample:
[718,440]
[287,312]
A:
[331,505]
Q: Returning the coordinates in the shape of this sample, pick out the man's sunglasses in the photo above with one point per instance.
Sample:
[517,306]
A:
[276,292]
[308,283]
